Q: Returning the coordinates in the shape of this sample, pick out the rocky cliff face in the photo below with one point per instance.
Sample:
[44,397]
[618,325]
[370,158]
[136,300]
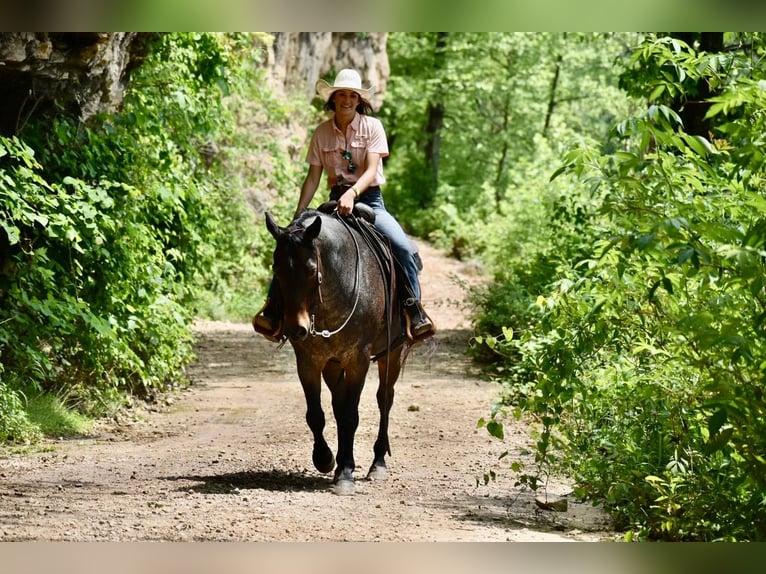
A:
[85,73]
[77,73]
[298,59]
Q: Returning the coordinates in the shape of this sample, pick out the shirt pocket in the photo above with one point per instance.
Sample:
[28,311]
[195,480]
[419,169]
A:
[359,143]
[331,158]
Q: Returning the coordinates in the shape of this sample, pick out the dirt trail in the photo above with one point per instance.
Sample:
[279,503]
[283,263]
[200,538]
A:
[230,457]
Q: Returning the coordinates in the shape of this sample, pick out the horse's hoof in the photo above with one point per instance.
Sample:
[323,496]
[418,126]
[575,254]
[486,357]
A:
[323,460]
[377,472]
[344,487]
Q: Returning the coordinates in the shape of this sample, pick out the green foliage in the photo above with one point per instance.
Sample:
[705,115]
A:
[494,148]
[54,418]
[89,289]
[259,173]
[113,231]
[14,423]
[642,358]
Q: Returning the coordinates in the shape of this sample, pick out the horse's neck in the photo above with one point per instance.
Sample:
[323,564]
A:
[339,255]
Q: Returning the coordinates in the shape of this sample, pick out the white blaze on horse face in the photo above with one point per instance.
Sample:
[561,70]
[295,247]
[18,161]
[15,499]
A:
[297,321]
[302,275]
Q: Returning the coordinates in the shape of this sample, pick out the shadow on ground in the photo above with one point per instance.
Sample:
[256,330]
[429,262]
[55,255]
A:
[272,480]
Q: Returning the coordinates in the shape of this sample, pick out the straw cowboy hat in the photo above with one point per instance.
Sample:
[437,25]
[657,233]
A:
[345,80]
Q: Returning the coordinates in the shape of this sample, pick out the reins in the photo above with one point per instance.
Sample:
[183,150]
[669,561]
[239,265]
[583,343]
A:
[326,333]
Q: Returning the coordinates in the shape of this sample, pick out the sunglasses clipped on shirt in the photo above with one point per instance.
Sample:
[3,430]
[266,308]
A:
[345,154]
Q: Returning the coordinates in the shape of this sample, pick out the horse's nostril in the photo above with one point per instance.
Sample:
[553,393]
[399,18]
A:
[301,333]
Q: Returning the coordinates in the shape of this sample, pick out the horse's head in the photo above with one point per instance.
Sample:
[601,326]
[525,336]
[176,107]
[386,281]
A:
[296,271]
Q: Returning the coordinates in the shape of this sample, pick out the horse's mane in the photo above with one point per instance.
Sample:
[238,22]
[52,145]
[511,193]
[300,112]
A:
[331,226]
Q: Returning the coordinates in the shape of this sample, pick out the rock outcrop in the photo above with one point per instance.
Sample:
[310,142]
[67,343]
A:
[84,73]
[298,59]
[81,73]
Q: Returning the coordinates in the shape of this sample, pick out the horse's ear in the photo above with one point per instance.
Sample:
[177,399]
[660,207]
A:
[312,231]
[272,226]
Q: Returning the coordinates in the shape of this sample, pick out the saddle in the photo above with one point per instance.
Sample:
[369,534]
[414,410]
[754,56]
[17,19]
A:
[360,210]
[362,220]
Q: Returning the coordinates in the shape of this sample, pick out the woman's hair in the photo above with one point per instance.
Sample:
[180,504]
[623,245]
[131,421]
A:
[363,107]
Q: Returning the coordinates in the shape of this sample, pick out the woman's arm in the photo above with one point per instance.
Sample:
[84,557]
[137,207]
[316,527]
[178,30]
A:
[309,188]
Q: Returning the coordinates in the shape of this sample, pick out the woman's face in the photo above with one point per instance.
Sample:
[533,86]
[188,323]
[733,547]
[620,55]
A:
[345,101]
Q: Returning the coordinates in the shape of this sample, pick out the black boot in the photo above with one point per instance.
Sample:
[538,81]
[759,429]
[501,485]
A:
[268,321]
[420,325]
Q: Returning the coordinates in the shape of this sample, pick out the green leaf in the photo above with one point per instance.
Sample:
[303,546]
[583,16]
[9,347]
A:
[656,92]
[699,144]
[559,171]
[13,233]
[686,254]
[714,110]
[495,428]
[719,440]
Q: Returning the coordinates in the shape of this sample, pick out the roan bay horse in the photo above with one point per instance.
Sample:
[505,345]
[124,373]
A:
[340,313]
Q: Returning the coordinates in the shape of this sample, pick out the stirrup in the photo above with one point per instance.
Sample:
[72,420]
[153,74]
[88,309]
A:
[264,326]
[425,328]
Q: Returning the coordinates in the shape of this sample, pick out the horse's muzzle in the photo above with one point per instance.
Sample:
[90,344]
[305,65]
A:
[300,333]
[299,328]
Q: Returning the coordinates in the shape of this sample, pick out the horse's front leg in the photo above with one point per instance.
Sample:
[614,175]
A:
[346,387]
[388,372]
[311,382]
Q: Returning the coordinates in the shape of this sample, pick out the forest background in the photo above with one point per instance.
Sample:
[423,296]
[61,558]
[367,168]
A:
[611,184]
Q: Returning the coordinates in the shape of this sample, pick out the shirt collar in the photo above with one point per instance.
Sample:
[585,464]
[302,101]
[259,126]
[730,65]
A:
[354,123]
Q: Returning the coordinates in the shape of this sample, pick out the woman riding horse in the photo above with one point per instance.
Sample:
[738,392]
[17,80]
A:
[349,141]
[337,314]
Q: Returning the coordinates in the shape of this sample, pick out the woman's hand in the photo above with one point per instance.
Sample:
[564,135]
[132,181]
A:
[346,202]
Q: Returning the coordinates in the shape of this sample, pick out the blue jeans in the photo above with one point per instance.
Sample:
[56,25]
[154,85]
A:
[401,245]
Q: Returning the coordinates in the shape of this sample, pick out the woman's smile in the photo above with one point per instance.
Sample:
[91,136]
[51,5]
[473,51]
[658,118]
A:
[346,101]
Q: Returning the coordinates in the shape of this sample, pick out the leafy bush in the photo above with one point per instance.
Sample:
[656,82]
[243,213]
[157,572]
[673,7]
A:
[112,231]
[88,286]
[645,358]
[14,423]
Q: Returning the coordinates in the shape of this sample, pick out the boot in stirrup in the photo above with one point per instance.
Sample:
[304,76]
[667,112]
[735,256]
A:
[419,325]
[268,322]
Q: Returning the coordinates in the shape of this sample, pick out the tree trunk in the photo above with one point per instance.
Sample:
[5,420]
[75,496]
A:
[552,94]
[434,123]
[500,176]
[694,105]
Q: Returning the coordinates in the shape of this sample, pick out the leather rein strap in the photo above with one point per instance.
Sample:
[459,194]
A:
[381,249]
[326,333]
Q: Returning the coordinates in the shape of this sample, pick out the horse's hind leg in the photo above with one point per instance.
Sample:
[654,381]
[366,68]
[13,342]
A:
[312,386]
[388,371]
